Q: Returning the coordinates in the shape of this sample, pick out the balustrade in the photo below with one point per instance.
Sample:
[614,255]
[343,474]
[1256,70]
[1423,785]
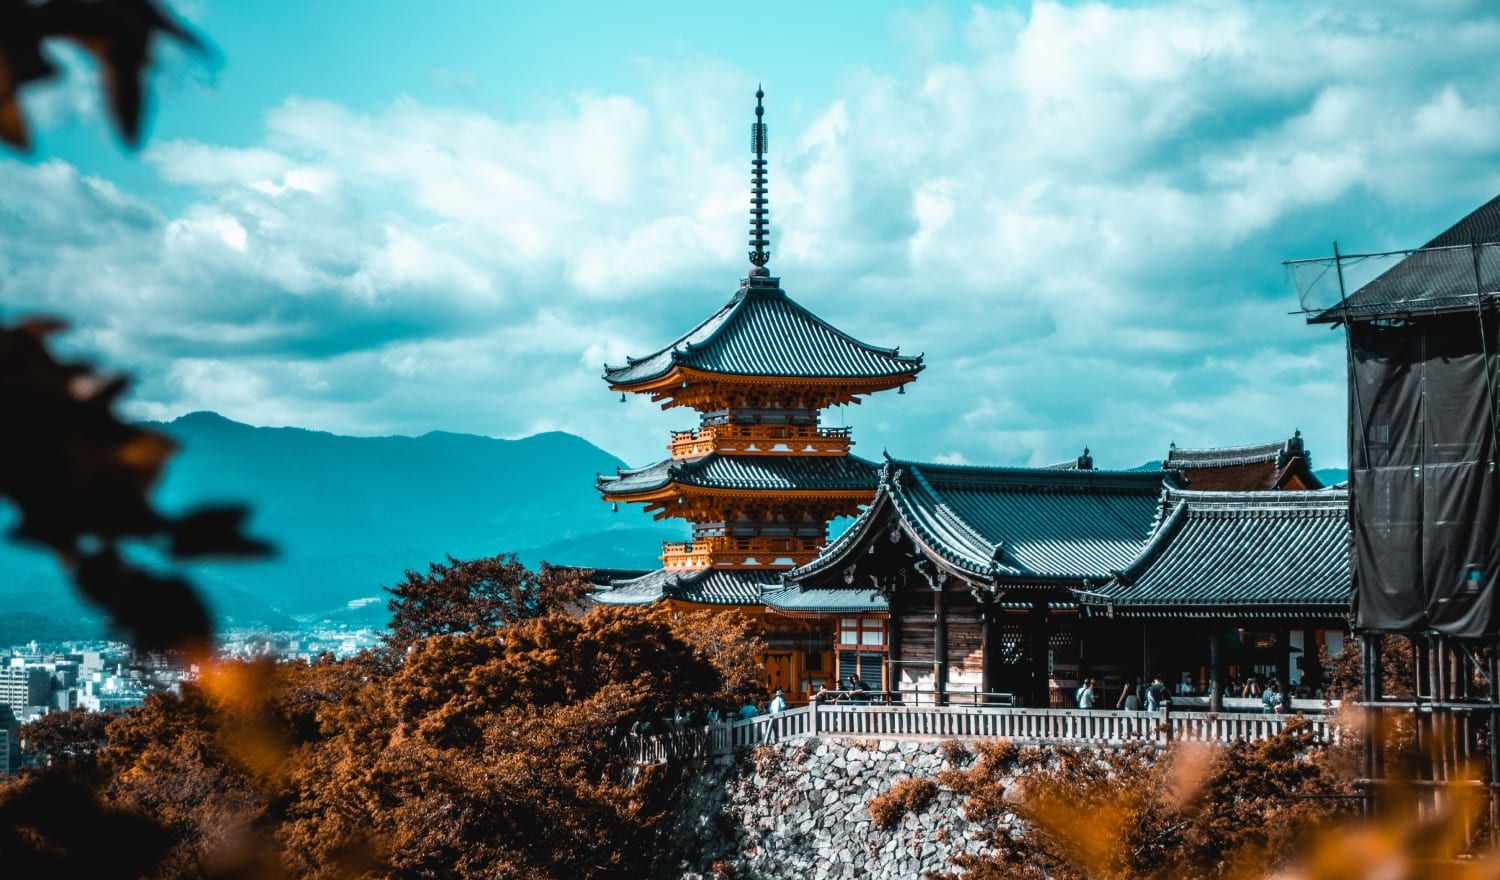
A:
[738,439]
[730,552]
[1079,727]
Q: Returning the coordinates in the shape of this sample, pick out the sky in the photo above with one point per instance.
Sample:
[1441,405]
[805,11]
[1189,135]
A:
[389,217]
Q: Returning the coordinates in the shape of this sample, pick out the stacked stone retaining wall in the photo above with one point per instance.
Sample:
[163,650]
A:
[801,810]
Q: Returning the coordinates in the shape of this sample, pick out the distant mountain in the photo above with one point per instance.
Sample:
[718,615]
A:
[1331,476]
[350,514]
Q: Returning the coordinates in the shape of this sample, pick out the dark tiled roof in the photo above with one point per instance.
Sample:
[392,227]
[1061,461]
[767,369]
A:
[749,472]
[703,585]
[826,600]
[762,332]
[1432,279]
[1240,553]
[1010,524]
[1243,468]
[1225,456]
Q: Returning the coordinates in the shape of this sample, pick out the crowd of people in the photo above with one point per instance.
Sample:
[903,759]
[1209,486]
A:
[1138,694]
[850,690]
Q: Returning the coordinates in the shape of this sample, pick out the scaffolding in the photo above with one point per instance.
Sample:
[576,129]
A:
[1421,330]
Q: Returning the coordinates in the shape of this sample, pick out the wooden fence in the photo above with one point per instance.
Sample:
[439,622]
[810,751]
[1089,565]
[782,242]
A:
[1079,727]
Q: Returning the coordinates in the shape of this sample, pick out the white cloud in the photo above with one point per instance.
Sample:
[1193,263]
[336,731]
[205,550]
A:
[1078,216]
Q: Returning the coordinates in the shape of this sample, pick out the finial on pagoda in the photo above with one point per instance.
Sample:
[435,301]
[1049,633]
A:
[759,231]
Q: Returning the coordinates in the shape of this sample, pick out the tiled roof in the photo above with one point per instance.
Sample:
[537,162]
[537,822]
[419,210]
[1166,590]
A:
[1010,524]
[1240,553]
[1226,456]
[1431,279]
[763,332]
[750,472]
[1242,468]
[826,600]
[703,585]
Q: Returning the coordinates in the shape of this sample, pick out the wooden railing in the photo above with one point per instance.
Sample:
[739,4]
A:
[760,440]
[1081,727]
[735,552]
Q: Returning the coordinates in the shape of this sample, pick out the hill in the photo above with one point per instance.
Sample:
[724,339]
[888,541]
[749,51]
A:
[350,514]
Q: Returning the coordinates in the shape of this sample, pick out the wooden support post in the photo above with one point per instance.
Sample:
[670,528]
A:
[939,648]
[1284,657]
[1312,659]
[893,646]
[989,646]
[1041,694]
[1216,668]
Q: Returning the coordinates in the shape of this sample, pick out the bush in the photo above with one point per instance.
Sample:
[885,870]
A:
[953,751]
[906,796]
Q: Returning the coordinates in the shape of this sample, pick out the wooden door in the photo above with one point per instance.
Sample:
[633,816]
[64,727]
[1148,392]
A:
[780,673]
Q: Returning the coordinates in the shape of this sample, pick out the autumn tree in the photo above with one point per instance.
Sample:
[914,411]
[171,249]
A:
[732,643]
[491,753]
[461,596]
[65,738]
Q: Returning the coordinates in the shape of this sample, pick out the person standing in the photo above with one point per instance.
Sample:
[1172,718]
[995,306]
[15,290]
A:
[778,704]
[1131,690]
[1086,696]
[1157,694]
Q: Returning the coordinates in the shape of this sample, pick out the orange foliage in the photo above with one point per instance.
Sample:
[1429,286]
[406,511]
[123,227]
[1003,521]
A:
[906,796]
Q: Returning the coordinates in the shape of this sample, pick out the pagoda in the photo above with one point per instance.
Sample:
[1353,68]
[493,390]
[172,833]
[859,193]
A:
[760,477]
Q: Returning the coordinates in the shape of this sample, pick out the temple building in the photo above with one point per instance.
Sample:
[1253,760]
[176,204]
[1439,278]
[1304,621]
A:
[760,477]
[1279,465]
[1017,583]
[977,568]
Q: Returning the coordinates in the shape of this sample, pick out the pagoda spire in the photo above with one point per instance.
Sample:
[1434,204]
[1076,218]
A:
[759,224]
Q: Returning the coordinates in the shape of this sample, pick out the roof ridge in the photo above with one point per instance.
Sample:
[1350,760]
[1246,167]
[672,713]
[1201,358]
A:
[1155,545]
[1263,497]
[958,523]
[736,309]
[813,316]
[1008,468]
[1246,447]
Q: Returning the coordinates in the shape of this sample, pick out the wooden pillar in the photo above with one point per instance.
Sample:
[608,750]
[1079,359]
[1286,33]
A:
[989,646]
[1216,668]
[939,648]
[1041,695]
[1284,657]
[893,646]
[1312,658]
[1146,670]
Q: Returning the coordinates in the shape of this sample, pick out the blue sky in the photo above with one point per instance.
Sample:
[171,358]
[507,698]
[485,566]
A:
[389,217]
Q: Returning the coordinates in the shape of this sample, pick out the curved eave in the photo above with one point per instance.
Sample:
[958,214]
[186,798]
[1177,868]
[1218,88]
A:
[675,489]
[605,597]
[820,613]
[677,377]
[836,551]
[845,548]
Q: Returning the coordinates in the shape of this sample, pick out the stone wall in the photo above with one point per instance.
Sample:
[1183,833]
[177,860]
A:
[800,810]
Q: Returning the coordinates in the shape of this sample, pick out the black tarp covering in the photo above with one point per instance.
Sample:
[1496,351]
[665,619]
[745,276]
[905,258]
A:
[1422,470]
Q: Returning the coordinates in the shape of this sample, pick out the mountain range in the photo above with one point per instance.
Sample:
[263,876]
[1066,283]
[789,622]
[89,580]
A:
[349,515]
